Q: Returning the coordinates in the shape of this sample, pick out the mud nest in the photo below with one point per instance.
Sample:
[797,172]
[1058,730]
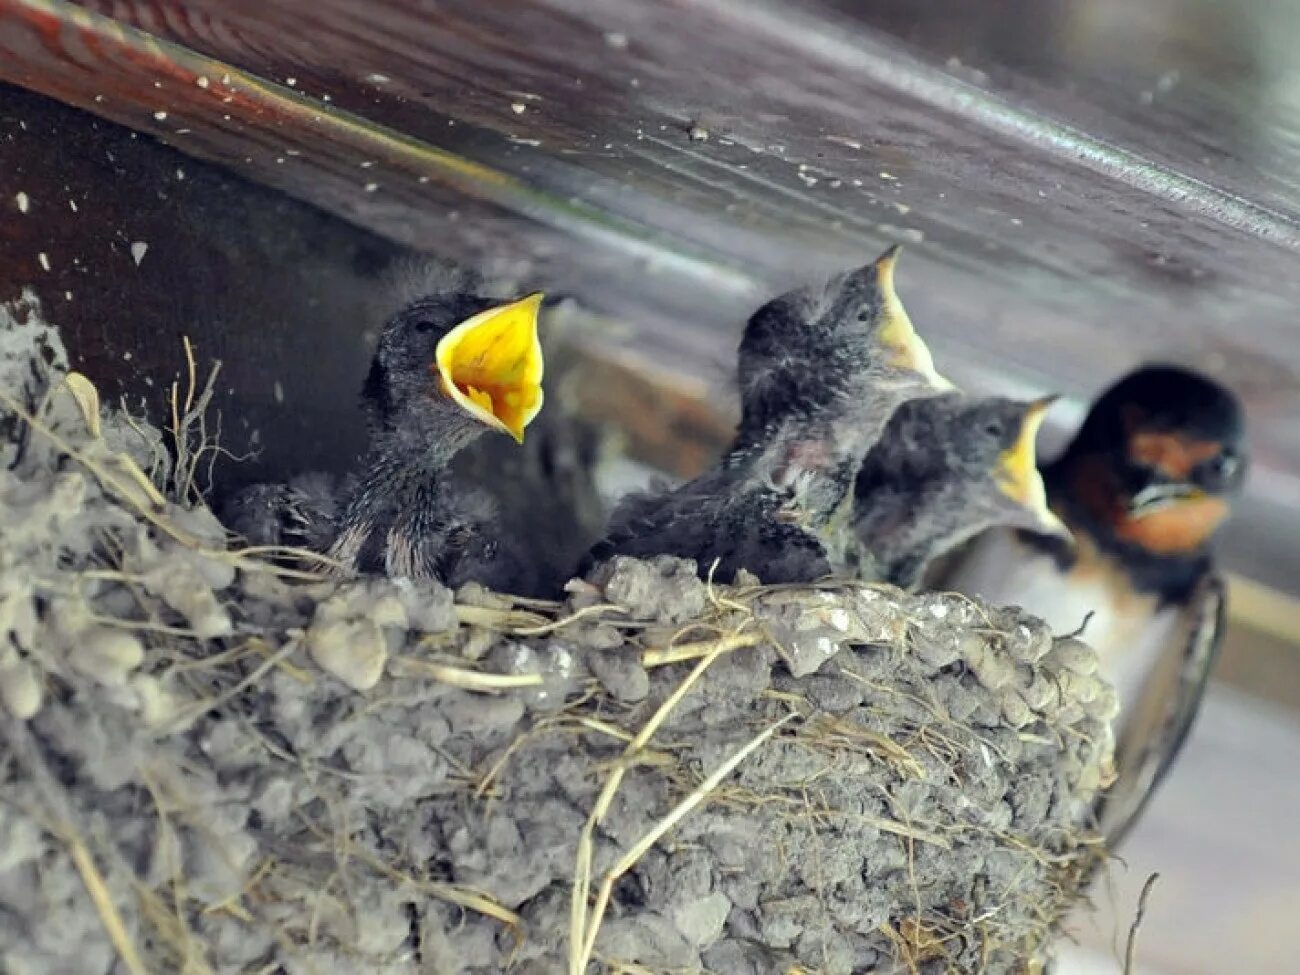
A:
[213,763]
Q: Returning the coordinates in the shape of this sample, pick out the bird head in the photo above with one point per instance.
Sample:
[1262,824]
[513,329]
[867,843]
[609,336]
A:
[845,352]
[1003,433]
[461,363]
[1161,456]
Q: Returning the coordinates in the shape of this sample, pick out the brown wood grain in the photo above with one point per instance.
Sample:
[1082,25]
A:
[556,132]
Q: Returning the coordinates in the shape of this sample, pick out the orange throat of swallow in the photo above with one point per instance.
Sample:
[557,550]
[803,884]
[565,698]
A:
[1180,528]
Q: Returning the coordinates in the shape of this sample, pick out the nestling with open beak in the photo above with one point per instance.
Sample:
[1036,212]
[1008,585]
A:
[945,469]
[448,368]
[821,370]
[1144,486]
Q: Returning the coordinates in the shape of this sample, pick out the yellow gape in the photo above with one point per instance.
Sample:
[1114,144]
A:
[1017,470]
[896,331]
[491,364]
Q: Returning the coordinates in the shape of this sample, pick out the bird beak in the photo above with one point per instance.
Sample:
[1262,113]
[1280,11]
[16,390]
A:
[896,331]
[491,365]
[1162,495]
[1017,471]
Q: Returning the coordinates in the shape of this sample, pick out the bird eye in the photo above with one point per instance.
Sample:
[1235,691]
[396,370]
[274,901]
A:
[1226,465]
[994,429]
[424,325]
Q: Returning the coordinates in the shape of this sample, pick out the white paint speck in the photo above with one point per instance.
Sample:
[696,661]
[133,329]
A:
[375,78]
[44,259]
[138,251]
[180,174]
[888,177]
[24,203]
[291,82]
[225,79]
[201,81]
[371,187]
[160,116]
[367,164]
[73,205]
[67,296]
[126,356]
[278,392]
[326,98]
[424,179]
[616,39]
[518,108]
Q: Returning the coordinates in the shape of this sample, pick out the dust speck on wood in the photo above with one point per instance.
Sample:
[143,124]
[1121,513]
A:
[216,764]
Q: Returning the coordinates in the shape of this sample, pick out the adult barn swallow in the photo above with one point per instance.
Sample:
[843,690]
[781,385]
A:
[945,469]
[448,368]
[820,372]
[1143,487]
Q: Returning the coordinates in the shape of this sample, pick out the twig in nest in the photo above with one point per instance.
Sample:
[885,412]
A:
[469,680]
[579,951]
[497,619]
[1130,949]
[189,427]
[676,815]
[1082,628]
[55,798]
[703,648]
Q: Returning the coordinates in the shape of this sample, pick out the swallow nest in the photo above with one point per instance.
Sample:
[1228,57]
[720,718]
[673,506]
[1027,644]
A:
[214,764]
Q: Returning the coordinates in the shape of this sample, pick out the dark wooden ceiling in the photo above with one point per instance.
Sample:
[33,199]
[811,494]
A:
[1081,185]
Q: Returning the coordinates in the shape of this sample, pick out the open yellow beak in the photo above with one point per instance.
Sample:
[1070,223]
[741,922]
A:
[896,331]
[1017,469]
[491,365]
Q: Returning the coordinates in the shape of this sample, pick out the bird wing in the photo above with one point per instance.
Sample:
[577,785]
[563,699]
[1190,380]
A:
[1160,721]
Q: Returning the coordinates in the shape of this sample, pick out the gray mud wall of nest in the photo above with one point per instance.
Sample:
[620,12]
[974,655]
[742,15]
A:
[214,764]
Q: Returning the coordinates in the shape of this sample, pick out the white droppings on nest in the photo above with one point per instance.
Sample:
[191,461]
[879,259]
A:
[20,685]
[518,108]
[202,81]
[160,116]
[23,201]
[44,260]
[138,250]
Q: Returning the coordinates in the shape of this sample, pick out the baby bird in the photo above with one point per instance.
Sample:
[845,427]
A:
[821,370]
[448,368]
[299,514]
[945,469]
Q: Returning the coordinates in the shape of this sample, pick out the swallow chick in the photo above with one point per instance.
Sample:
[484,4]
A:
[945,469]
[448,368]
[299,514]
[1144,487]
[820,371]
